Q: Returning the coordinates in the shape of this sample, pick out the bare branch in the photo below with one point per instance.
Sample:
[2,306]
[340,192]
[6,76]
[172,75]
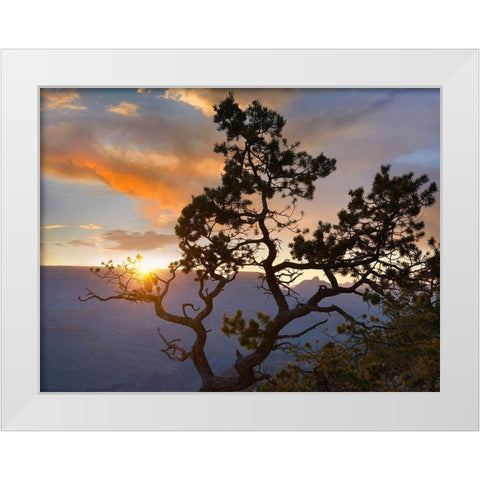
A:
[172,349]
[184,307]
[303,332]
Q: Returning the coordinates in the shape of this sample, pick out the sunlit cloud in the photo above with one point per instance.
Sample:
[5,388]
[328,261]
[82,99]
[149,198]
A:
[204,98]
[126,109]
[165,219]
[129,241]
[159,179]
[140,90]
[156,179]
[58,244]
[60,100]
[52,227]
[158,217]
[81,243]
[90,226]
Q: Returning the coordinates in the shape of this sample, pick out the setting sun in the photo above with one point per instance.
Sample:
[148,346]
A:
[148,265]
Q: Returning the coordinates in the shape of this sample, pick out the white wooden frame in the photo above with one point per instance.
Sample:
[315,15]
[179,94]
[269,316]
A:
[455,407]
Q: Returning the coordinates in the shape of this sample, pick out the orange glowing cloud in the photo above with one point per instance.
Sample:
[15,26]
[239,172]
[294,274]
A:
[158,216]
[204,98]
[60,100]
[124,108]
[135,180]
[90,226]
[162,182]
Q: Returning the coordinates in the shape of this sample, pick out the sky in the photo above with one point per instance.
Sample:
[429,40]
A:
[118,165]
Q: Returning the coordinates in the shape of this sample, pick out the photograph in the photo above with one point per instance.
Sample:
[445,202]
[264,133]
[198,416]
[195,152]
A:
[239,239]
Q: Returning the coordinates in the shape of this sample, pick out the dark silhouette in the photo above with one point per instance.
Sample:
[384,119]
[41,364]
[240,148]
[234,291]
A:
[399,351]
[237,225]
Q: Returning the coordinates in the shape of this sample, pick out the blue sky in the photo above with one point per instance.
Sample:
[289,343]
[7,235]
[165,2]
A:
[119,164]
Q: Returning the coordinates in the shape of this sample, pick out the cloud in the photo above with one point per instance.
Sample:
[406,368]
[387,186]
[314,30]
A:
[366,128]
[140,90]
[159,161]
[137,241]
[164,219]
[52,227]
[81,243]
[204,98]
[90,226]
[124,108]
[161,180]
[58,244]
[60,99]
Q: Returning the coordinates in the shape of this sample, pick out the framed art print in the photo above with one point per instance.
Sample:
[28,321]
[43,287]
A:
[186,247]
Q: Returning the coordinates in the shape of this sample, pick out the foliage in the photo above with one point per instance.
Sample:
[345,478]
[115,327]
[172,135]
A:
[240,222]
[400,352]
